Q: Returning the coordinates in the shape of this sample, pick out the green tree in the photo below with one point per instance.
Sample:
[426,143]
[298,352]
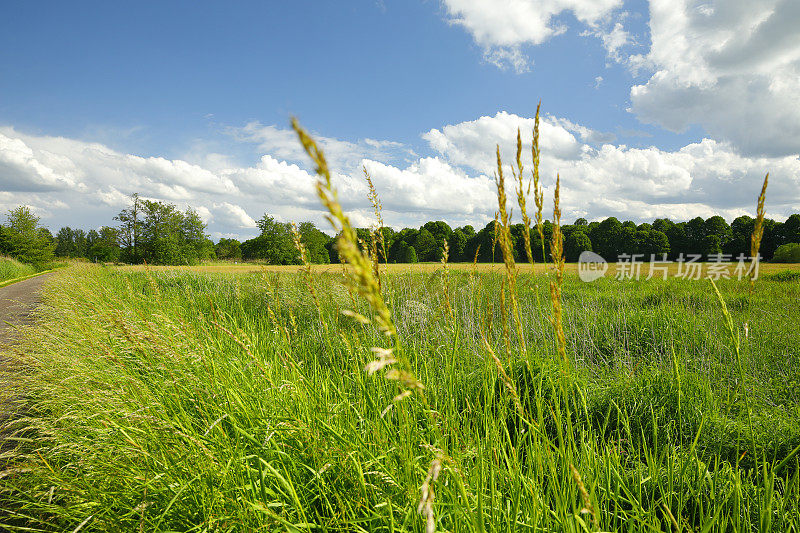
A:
[606,238]
[410,255]
[741,230]
[426,247]
[91,239]
[314,241]
[457,243]
[790,231]
[652,242]
[24,239]
[273,245]
[81,246]
[65,243]
[228,249]
[718,227]
[787,253]
[161,234]
[105,249]
[130,229]
[441,232]
[577,242]
[695,235]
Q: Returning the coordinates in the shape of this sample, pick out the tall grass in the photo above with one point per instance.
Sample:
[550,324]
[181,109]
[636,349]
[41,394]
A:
[12,269]
[169,401]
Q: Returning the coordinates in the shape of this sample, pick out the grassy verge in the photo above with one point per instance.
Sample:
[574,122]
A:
[12,269]
[175,401]
[22,278]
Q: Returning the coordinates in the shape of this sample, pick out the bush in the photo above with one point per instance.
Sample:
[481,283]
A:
[787,253]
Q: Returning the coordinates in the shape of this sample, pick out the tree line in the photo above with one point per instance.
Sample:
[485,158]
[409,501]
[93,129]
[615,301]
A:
[160,233]
[609,238]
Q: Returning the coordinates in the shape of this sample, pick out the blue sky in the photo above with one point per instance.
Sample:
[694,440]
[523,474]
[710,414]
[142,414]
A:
[653,108]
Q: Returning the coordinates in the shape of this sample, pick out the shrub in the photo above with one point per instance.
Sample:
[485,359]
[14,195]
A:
[787,253]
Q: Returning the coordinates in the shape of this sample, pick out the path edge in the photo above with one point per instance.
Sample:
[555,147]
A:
[23,278]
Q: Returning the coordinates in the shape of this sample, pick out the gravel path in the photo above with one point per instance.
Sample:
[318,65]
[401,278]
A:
[17,302]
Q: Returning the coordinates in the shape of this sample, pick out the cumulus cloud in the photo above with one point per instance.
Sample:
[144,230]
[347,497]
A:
[21,169]
[732,66]
[502,27]
[71,182]
[598,180]
[233,216]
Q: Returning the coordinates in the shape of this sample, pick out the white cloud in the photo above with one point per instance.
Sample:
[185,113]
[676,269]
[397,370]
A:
[86,184]
[472,143]
[431,186]
[613,39]
[283,144]
[21,169]
[732,66]
[233,216]
[502,27]
[706,178]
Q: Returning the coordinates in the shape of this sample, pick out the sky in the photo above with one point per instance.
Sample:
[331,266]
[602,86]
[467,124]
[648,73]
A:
[666,108]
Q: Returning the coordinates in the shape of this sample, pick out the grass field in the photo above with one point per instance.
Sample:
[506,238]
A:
[427,268]
[174,400]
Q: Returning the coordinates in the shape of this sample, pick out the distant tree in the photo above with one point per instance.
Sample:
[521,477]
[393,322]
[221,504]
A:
[577,242]
[457,243]
[651,243]
[65,243]
[695,235]
[161,234]
[410,255]
[105,249]
[441,232]
[771,238]
[787,253]
[717,226]
[482,243]
[790,232]
[47,237]
[91,239]
[195,243]
[518,238]
[538,247]
[467,230]
[741,230]
[228,249]
[581,222]
[606,238]
[426,247]
[314,241]
[333,251]
[676,235]
[129,230]
[25,240]
[79,238]
[273,245]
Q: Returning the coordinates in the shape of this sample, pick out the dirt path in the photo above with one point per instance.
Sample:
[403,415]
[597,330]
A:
[17,302]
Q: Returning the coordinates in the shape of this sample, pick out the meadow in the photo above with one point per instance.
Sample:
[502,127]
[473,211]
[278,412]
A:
[236,403]
[444,399]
